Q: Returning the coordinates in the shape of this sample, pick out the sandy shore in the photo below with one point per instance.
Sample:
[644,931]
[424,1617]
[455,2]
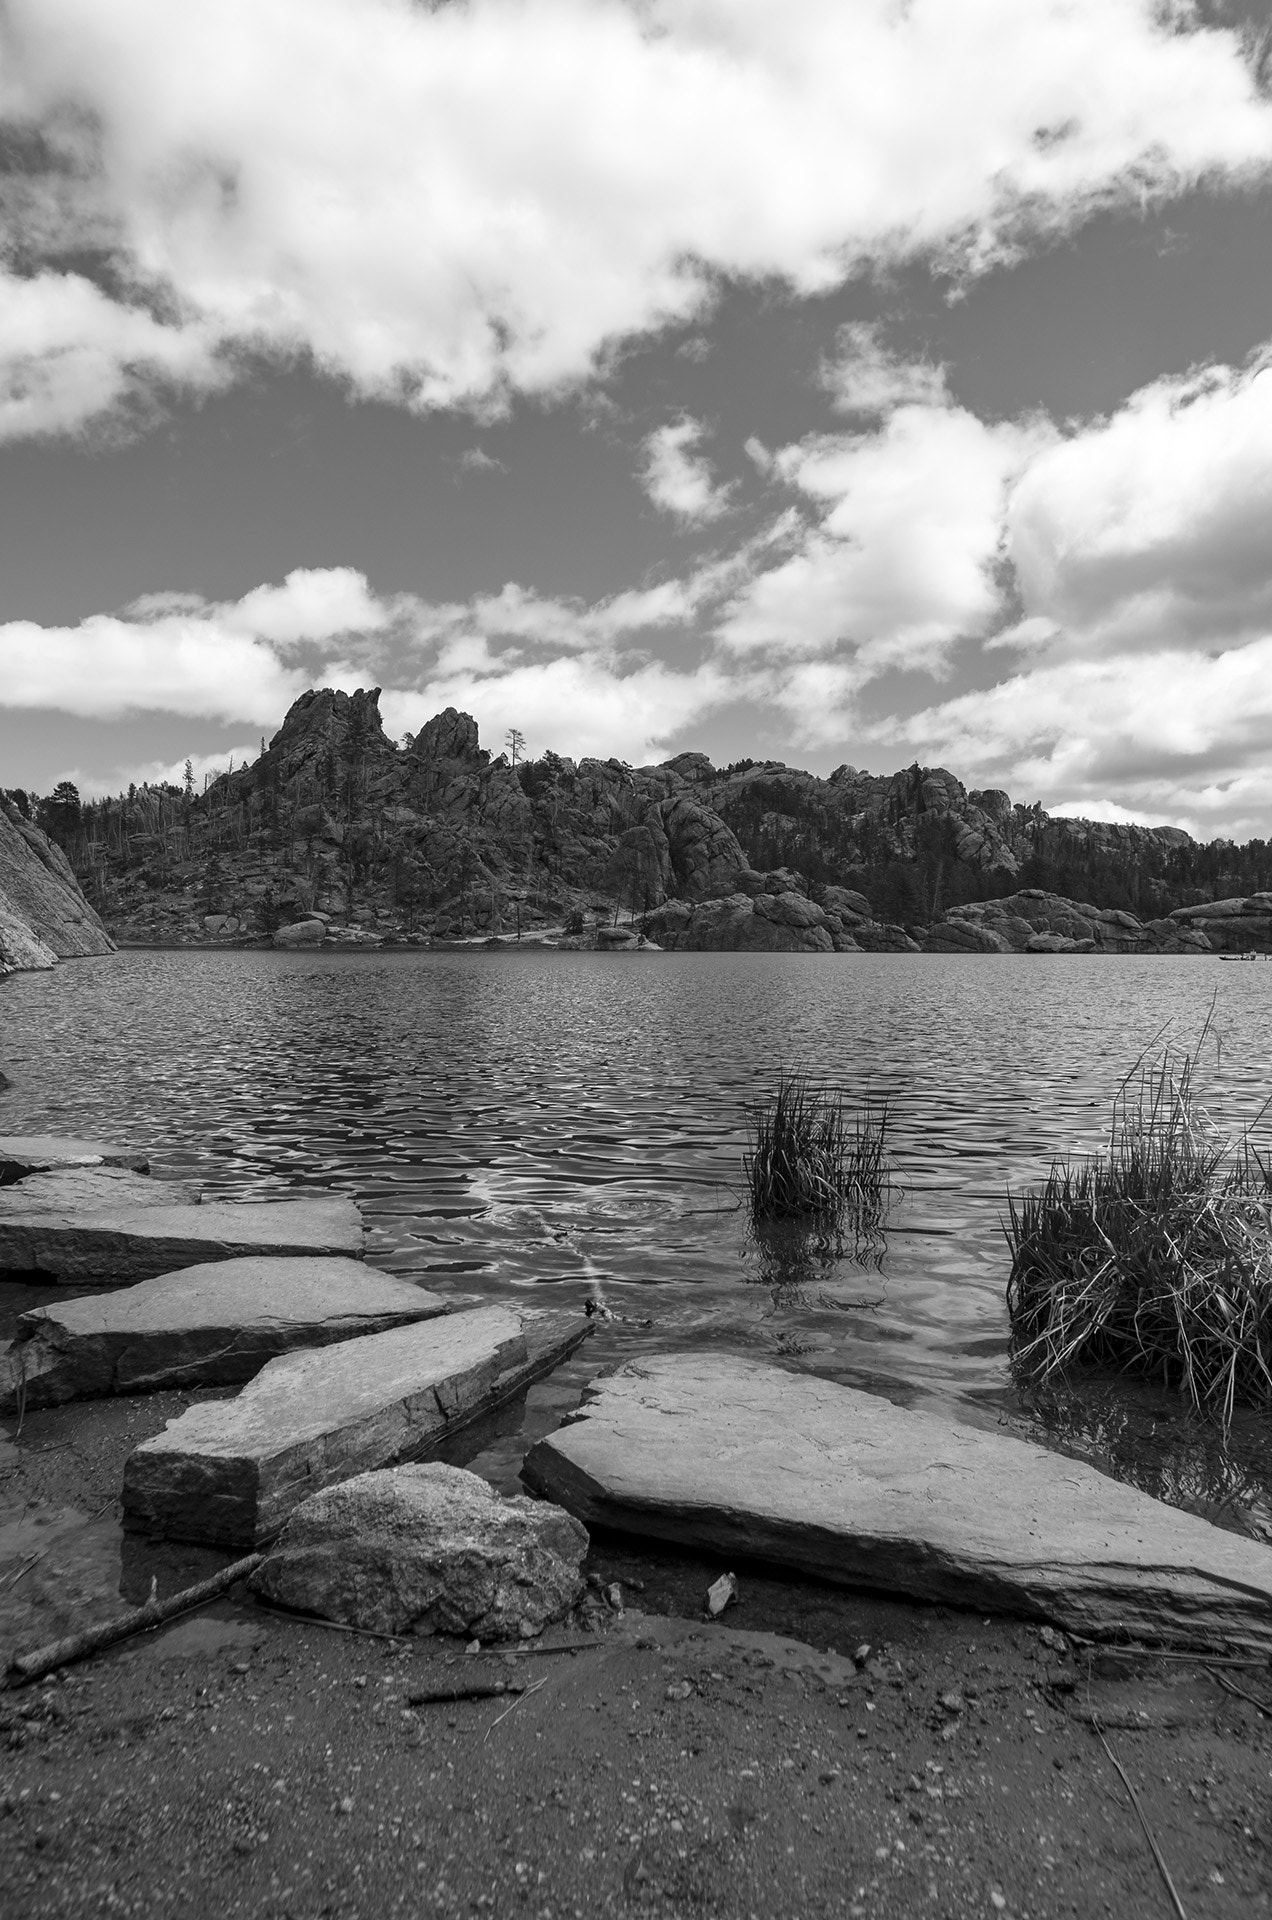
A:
[245,1762]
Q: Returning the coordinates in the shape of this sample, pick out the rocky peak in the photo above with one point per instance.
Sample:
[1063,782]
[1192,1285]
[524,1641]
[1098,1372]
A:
[450,735]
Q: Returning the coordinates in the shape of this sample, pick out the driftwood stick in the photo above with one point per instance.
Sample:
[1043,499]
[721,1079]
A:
[78,1646]
[464,1690]
[528,1653]
[1162,1868]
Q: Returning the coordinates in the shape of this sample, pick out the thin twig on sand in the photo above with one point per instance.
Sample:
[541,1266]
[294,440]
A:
[1230,1686]
[500,1718]
[1162,1868]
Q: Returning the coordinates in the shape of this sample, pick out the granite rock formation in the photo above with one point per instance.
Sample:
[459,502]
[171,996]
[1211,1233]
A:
[44,916]
[338,833]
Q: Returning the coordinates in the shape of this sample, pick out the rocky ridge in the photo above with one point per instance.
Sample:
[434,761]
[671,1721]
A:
[339,834]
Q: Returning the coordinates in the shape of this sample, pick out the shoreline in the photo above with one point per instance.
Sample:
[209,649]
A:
[755,1764]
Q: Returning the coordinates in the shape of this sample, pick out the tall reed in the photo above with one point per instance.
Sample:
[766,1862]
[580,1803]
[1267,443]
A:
[1153,1256]
[811,1161]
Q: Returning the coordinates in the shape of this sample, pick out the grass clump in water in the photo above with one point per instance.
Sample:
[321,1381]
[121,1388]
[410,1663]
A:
[1153,1256]
[812,1162]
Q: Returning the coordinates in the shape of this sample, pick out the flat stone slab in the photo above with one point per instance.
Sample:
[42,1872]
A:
[21,1154]
[103,1243]
[232,1471]
[735,1456]
[215,1324]
[70,1189]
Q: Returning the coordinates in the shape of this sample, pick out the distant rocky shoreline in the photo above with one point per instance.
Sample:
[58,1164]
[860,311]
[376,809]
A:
[339,836]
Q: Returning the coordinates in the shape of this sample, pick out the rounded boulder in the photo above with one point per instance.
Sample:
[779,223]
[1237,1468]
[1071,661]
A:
[427,1548]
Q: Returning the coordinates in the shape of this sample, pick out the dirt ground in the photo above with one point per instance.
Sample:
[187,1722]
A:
[241,1761]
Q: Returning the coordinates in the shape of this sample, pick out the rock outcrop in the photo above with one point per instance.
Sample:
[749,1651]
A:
[736,1457]
[1033,921]
[44,916]
[773,913]
[1241,925]
[427,1549]
[433,838]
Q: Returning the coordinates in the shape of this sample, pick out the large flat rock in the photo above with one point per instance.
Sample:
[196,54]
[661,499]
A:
[232,1471]
[25,1153]
[77,1189]
[103,1242]
[215,1324]
[731,1455]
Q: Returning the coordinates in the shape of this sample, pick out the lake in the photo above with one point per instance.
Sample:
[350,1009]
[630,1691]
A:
[573,1124]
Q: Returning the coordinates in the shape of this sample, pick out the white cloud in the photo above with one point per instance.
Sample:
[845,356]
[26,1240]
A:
[1152,526]
[443,203]
[678,479]
[477,460]
[577,705]
[69,354]
[1172,737]
[900,562]
[313,603]
[178,654]
[866,378]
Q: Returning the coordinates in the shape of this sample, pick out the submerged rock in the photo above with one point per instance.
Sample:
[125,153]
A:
[719,1453]
[231,1472]
[104,1240]
[209,1325]
[427,1549]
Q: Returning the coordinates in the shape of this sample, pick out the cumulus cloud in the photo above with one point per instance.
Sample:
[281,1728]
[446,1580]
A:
[177,653]
[1154,523]
[677,478]
[575,704]
[898,564]
[444,204]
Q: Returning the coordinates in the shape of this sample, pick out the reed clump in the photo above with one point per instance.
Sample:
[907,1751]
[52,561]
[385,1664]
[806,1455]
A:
[814,1162]
[1153,1256]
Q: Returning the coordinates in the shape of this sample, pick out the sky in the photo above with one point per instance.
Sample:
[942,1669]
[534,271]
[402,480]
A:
[829,381]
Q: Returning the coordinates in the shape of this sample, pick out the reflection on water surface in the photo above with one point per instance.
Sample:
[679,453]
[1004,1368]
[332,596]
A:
[575,1123]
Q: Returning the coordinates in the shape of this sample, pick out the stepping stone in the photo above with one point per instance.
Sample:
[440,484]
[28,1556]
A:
[62,1189]
[21,1154]
[230,1472]
[103,1241]
[212,1325]
[730,1455]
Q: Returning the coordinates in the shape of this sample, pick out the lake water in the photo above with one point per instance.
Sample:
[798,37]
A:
[571,1126]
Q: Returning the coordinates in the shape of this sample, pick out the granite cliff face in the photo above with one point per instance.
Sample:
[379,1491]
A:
[44,917]
[337,831]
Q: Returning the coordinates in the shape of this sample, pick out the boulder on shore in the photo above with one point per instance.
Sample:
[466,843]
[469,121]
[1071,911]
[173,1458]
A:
[231,1472]
[1033,921]
[215,1324]
[427,1549]
[103,1241]
[733,1456]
